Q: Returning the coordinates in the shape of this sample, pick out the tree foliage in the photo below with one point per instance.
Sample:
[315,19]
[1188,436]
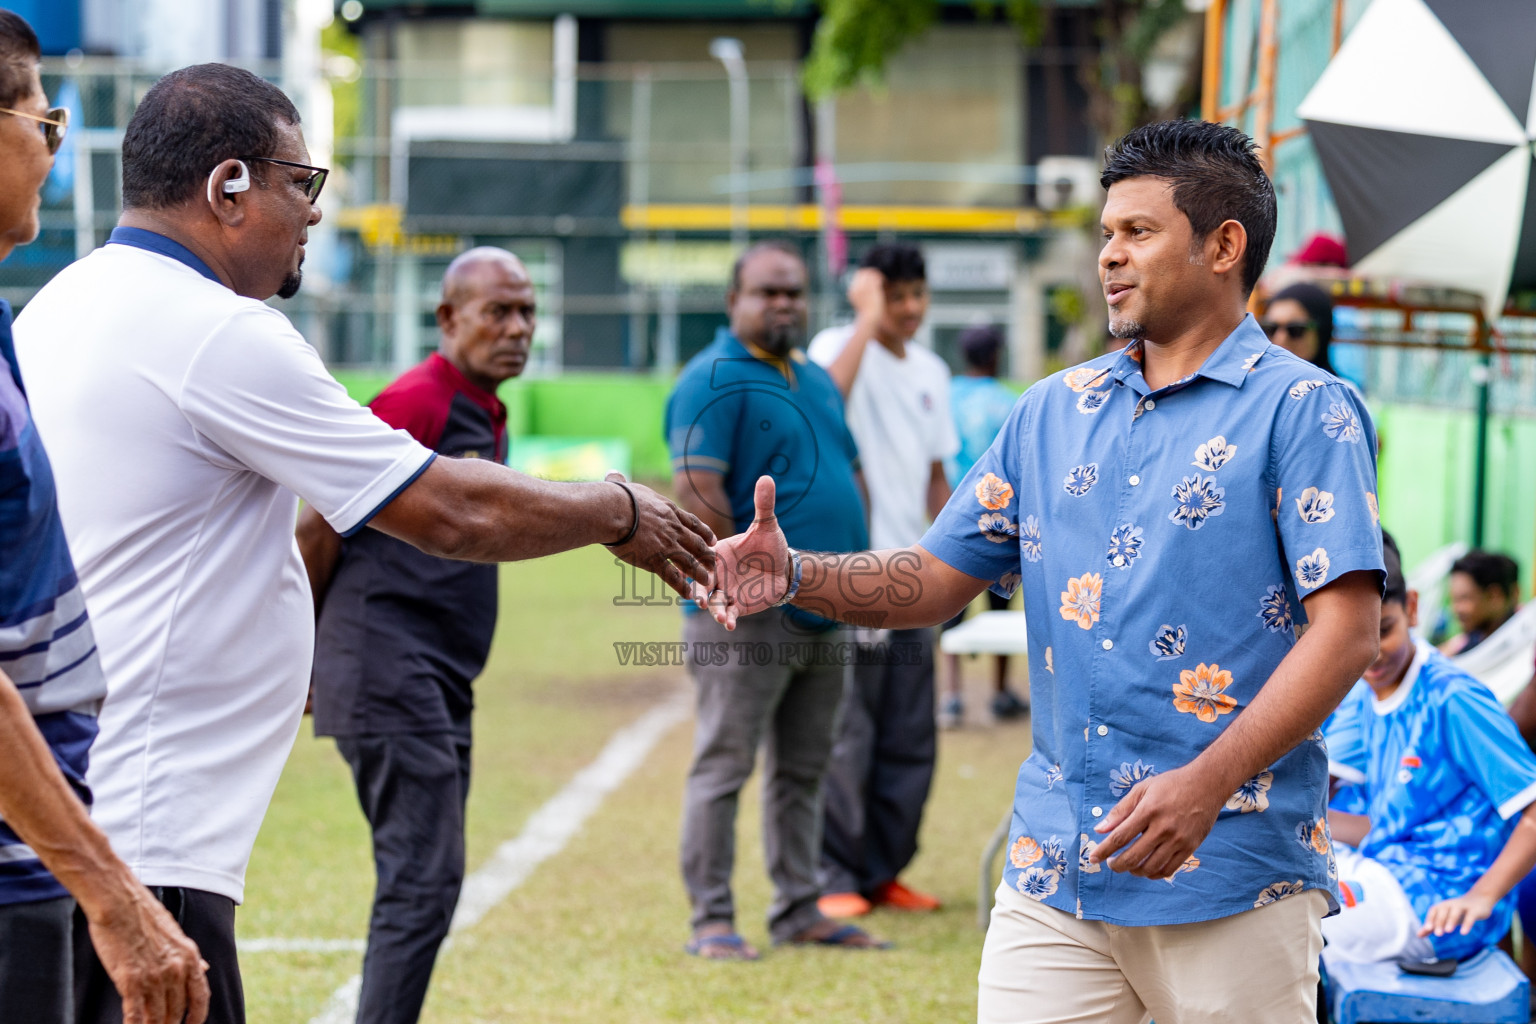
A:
[855,38]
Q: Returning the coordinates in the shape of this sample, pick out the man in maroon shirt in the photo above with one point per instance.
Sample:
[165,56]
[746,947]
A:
[402,635]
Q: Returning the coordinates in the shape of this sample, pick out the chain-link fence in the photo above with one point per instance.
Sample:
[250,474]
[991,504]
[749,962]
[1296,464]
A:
[1455,407]
[1439,358]
[627,186]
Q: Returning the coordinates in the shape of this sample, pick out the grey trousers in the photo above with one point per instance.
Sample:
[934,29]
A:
[882,765]
[412,789]
[789,707]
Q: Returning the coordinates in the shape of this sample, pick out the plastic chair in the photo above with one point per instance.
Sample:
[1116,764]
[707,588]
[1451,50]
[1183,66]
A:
[1503,661]
[1486,989]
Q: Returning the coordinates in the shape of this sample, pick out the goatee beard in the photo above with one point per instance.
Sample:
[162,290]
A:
[290,286]
[1125,328]
[779,340]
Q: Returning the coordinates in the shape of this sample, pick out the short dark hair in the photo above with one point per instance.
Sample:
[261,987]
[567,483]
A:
[19,54]
[1490,569]
[1215,177]
[896,261]
[1396,587]
[783,245]
[980,345]
[192,120]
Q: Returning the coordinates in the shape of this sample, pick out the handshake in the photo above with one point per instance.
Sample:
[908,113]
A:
[728,578]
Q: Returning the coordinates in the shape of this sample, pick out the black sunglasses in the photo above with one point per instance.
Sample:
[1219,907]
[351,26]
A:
[1295,330]
[54,124]
[311,185]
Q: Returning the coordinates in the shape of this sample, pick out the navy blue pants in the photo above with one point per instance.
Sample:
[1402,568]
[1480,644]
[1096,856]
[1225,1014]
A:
[35,957]
[412,789]
[882,765]
[208,919]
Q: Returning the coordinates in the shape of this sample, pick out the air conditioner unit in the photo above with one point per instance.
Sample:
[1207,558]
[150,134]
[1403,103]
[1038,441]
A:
[1062,182]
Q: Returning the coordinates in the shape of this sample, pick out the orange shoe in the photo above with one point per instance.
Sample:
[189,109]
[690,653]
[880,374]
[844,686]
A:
[843,904]
[899,897]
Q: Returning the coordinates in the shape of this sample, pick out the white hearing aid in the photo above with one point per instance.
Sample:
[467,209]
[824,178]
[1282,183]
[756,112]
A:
[241,182]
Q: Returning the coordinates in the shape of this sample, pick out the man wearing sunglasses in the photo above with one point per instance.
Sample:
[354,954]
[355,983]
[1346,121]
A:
[187,418]
[51,683]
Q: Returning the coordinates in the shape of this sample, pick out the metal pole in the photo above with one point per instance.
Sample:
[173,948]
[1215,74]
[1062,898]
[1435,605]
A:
[1210,87]
[639,198]
[407,310]
[1269,52]
[1482,376]
[834,246]
[85,192]
[729,53]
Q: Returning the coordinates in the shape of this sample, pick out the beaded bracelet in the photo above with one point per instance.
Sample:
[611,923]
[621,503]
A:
[634,507]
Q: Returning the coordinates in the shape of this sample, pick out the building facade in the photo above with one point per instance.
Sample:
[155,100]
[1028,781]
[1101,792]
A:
[625,154]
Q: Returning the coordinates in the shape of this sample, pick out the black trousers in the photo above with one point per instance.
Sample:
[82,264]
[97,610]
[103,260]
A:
[35,961]
[412,789]
[882,766]
[208,919]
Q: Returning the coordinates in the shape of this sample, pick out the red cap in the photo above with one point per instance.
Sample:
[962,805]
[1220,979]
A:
[1322,250]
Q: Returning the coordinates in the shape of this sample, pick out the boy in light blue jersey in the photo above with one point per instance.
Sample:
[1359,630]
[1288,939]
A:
[1437,810]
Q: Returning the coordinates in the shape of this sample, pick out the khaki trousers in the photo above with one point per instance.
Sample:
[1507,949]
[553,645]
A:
[1041,965]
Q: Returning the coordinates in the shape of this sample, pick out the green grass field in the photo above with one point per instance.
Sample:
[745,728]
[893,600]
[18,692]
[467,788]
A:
[595,934]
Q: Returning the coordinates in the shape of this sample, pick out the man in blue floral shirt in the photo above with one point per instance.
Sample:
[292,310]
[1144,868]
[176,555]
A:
[1172,512]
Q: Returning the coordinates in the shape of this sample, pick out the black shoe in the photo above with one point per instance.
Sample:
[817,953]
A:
[1007,705]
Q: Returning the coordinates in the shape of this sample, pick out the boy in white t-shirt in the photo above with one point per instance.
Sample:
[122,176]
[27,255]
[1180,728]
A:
[897,395]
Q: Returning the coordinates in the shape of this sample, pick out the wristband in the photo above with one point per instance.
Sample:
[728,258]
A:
[634,507]
[794,579]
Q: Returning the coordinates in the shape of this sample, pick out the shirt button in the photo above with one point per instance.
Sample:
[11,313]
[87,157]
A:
[1103,730]
[1098,812]
[1108,645]
[1135,480]
[1149,405]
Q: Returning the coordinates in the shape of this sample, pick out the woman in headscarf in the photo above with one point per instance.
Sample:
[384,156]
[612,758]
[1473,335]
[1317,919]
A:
[1300,318]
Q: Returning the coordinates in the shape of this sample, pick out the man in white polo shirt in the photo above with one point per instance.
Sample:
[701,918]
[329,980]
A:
[185,419]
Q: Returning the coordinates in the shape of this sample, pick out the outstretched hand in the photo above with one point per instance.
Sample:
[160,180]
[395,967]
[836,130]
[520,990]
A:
[668,541]
[752,568]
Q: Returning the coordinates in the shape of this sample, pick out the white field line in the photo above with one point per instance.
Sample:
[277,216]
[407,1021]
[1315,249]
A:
[547,832]
[302,946]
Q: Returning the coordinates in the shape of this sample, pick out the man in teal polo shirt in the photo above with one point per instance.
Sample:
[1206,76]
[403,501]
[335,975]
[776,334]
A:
[752,404]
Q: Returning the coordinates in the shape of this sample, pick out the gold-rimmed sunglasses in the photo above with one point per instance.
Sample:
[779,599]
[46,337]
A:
[54,124]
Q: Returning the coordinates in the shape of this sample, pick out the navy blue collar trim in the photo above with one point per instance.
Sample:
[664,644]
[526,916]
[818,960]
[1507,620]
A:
[139,238]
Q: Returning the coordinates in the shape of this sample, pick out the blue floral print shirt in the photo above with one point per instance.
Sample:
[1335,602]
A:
[1440,769]
[1163,541]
